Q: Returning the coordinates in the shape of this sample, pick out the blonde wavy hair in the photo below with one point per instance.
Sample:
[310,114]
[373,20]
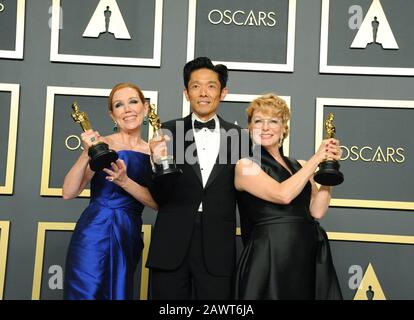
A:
[272,105]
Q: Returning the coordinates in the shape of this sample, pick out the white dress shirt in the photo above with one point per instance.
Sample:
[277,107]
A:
[208,146]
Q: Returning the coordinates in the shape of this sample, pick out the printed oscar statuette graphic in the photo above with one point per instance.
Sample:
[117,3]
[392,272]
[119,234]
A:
[100,155]
[166,164]
[328,173]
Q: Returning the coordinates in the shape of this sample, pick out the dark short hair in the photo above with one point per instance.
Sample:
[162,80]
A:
[205,63]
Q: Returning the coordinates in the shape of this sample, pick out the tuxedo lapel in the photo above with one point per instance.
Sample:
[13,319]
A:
[190,142]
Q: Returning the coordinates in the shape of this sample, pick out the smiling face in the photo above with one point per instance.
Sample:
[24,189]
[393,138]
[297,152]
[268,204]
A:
[267,118]
[127,109]
[267,129]
[204,93]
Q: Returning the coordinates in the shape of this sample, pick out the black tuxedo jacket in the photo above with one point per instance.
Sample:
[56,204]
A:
[179,199]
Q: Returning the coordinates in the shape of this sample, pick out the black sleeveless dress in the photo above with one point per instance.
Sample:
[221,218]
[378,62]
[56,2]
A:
[286,253]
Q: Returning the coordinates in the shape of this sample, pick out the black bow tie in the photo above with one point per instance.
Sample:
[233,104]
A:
[211,124]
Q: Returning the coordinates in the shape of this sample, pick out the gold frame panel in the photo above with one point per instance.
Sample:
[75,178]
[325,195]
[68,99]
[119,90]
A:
[14,89]
[45,189]
[147,230]
[290,54]
[4,244]
[370,238]
[363,237]
[352,103]
[17,53]
[238,97]
[70,226]
[155,61]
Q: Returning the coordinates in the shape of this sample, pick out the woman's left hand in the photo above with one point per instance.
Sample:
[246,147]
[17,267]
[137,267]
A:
[334,150]
[118,174]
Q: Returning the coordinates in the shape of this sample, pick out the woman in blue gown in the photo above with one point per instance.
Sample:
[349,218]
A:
[106,245]
[286,253]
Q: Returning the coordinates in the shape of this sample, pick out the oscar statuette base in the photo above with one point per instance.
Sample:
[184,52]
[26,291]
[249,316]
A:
[329,174]
[166,167]
[101,156]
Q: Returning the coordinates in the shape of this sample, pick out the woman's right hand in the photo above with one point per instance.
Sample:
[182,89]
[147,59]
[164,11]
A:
[329,150]
[89,138]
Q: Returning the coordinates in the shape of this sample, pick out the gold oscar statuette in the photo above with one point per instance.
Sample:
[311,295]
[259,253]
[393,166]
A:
[328,173]
[100,155]
[165,165]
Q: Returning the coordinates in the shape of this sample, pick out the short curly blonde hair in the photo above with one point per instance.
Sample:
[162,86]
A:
[272,105]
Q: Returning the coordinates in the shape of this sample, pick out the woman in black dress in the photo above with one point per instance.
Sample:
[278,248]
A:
[286,253]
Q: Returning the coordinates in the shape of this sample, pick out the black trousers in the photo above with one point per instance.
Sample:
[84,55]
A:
[191,280]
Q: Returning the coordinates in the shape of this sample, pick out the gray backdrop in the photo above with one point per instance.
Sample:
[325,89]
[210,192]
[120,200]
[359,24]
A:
[25,208]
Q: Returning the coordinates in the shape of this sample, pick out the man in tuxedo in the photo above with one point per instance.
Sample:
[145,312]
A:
[193,251]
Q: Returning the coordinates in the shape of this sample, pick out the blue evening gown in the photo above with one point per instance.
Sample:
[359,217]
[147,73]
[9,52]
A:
[106,245]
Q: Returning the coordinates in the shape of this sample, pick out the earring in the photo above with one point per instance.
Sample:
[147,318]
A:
[251,138]
[145,120]
[281,141]
[115,129]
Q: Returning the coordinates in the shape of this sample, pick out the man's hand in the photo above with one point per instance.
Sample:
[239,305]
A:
[158,147]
